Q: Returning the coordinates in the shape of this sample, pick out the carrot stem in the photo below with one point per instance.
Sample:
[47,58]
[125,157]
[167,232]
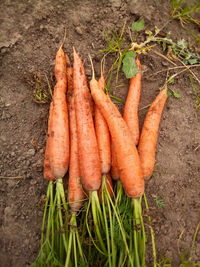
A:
[152,234]
[88,229]
[96,207]
[67,261]
[119,192]
[122,230]
[106,220]
[52,221]
[113,246]
[75,252]
[60,195]
[45,212]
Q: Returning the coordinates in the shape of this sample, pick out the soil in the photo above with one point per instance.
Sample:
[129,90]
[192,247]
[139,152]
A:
[31,32]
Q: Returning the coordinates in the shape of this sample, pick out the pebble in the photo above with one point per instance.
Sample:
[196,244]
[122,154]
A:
[79,30]
[3,50]
[165,63]
[6,115]
[33,182]
[30,152]
[116,3]
[3,138]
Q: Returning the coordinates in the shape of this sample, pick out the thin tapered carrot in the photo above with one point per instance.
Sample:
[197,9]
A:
[132,102]
[59,130]
[47,169]
[149,134]
[89,161]
[75,191]
[103,135]
[114,165]
[127,156]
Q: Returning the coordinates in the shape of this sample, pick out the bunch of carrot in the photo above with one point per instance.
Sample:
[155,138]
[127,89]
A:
[87,132]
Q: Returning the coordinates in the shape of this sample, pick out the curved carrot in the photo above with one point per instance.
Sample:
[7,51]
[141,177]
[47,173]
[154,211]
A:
[59,132]
[103,135]
[47,169]
[131,106]
[114,166]
[127,156]
[75,191]
[148,138]
[87,144]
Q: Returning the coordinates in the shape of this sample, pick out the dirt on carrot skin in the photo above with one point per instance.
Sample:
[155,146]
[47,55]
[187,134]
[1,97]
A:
[30,33]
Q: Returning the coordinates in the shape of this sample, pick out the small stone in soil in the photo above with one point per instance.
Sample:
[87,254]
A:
[30,152]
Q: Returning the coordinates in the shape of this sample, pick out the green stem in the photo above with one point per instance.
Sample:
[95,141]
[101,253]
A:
[118,217]
[143,244]
[152,233]
[105,219]
[95,208]
[59,186]
[57,234]
[75,252]
[69,249]
[119,192]
[89,232]
[136,222]
[114,252]
[52,222]
[45,212]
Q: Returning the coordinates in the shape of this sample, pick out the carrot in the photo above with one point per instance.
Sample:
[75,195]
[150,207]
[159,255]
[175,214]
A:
[103,135]
[148,138]
[75,191]
[59,130]
[114,166]
[131,106]
[127,155]
[89,161]
[47,169]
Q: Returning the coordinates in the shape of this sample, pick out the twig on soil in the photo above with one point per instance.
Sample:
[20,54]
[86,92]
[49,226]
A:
[173,68]
[188,68]
[196,148]
[163,56]
[145,107]
[11,177]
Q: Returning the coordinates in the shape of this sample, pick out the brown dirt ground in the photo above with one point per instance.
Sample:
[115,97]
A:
[30,34]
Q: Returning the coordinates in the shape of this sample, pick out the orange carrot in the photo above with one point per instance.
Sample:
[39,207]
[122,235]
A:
[109,185]
[131,106]
[148,138]
[114,166]
[103,135]
[59,130]
[89,161]
[127,155]
[47,169]
[75,191]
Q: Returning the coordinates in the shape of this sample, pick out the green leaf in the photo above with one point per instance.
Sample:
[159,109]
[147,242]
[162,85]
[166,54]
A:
[183,44]
[164,46]
[177,95]
[156,30]
[193,61]
[138,25]
[171,80]
[130,67]
[147,32]
[169,94]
